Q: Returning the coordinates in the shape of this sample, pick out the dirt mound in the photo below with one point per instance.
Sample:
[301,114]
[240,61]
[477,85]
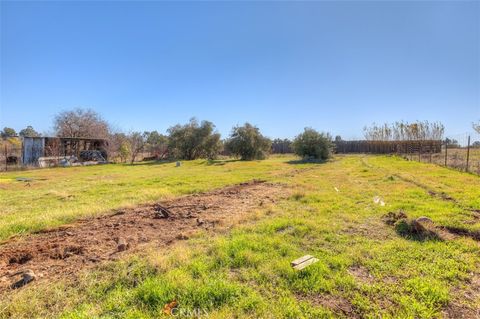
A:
[423,228]
[63,251]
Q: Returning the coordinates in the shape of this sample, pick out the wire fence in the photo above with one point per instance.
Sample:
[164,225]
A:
[461,152]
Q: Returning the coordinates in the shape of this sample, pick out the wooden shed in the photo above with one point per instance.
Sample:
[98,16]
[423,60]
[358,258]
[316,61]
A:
[34,148]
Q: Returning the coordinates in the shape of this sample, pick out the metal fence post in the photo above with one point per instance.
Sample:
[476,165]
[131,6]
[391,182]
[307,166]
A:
[446,151]
[420,152]
[6,155]
[468,152]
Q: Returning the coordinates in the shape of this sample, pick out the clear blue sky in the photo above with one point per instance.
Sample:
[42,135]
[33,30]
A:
[334,66]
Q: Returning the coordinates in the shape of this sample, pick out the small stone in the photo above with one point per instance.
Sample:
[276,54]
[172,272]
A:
[94,259]
[122,244]
[200,222]
[424,219]
[181,237]
[161,212]
[422,224]
[27,277]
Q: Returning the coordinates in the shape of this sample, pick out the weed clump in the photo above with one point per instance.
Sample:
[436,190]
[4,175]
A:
[393,217]
[297,196]
[403,227]
[421,228]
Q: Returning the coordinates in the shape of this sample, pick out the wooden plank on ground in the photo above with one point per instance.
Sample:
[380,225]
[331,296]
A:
[301,260]
[305,264]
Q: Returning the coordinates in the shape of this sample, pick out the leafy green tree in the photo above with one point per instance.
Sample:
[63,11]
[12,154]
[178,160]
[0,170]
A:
[29,131]
[156,144]
[194,140]
[452,143]
[8,132]
[248,143]
[313,145]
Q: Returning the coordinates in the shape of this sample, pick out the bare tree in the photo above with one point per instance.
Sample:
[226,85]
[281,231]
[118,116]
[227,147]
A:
[84,123]
[137,144]
[476,126]
[404,131]
[118,147]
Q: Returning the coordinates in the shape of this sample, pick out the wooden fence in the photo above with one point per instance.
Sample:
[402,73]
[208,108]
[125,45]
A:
[389,147]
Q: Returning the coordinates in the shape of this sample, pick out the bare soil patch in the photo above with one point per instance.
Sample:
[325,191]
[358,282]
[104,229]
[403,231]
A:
[337,304]
[461,231]
[362,274]
[62,252]
[464,303]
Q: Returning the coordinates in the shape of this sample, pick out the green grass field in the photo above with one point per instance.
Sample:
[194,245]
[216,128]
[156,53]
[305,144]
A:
[366,269]
[60,195]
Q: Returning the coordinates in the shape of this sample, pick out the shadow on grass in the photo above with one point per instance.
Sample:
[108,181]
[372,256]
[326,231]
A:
[307,161]
[163,162]
[462,231]
[221,162]
[150,163]
[412,230]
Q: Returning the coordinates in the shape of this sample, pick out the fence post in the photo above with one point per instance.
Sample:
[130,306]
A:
[446,151]
[468,152]
[420,152]
[6,154]
[431,150]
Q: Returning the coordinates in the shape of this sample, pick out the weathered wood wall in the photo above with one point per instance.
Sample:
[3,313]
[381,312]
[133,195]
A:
[388,147]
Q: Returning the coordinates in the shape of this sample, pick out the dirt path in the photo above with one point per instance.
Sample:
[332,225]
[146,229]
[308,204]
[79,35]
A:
[64,251]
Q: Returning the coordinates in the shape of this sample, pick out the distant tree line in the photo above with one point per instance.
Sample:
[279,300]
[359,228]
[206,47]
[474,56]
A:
[193,140]
[451,143]
[200,139]
[10,132]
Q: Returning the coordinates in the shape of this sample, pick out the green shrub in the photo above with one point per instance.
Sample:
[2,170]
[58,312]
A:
[313,145]
[248,143]
[194,140]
